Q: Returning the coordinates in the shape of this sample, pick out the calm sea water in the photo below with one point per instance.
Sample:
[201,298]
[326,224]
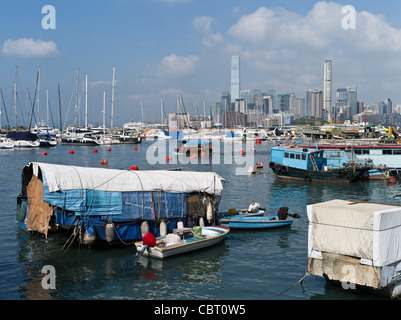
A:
[246,266]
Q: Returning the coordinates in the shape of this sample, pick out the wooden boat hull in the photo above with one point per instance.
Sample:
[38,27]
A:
[332,175]
[213,235]
[241,222]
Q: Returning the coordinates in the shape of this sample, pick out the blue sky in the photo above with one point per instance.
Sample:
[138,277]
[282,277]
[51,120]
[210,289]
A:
[164,47]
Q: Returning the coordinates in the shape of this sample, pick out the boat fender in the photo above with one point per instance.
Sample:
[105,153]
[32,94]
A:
[163,228]
[201,222]
[109,231]
[180,224]
[209,212]
[89,239]
[144,228]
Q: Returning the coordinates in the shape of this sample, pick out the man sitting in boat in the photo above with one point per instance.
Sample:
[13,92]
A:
[283,214]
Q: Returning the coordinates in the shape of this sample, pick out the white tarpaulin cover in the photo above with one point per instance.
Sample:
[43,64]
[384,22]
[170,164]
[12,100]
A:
[62,177]
[365,230]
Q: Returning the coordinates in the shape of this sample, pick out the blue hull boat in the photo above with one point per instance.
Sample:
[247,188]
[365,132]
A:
[243,222]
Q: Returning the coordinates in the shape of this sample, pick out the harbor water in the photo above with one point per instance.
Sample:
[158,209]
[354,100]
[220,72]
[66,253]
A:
[260,265]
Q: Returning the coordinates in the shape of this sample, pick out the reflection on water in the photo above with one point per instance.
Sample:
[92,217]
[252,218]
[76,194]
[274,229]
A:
[247,265]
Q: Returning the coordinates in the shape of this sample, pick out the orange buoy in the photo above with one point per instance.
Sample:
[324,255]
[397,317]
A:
[95,150]
[133,168]
[135,148]
[44,153]
[104,161]
[108,149]
[71,152]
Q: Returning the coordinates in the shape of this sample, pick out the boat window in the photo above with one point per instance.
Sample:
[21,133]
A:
[387,151]
[396,151]
[298,156]
[358,151]
[365,151]
[292,156]
[303,156]
[286,155]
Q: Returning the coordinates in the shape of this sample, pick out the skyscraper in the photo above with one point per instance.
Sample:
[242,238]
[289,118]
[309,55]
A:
[352,99]
[235,79]
[327,88]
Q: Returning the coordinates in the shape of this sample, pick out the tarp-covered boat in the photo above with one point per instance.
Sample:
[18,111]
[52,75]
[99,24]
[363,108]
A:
[109,204]
[357,244]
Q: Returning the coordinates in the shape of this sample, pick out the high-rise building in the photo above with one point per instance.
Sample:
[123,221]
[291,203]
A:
[235,78]
[314,103]
[352,99]
[327,88]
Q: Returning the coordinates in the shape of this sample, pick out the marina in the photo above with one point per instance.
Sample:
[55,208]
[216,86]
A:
[219,269]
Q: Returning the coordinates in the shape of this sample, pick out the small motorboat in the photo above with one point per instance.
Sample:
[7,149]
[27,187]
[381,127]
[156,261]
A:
[242,222]
[181,241]
[259,222]
[259,165]
[254,210]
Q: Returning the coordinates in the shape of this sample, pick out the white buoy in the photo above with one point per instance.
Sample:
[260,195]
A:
[89,239]
[209,212]
[163,229]
[201,222]
[144,228]
[180,224]
[109,231]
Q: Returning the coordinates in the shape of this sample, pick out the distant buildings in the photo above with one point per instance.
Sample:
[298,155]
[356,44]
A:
[248,106]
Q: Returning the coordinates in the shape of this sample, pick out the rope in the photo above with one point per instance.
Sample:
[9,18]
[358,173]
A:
[299,281]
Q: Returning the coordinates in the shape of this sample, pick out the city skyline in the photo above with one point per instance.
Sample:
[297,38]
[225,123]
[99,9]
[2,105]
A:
[162,48]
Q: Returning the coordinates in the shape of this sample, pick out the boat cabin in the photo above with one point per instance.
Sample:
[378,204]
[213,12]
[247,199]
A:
[301,158]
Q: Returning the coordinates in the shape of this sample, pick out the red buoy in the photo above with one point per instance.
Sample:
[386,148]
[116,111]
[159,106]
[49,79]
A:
[149,240]
[242,152]
[258,141]
[135,148]
[133,168]
[71,152]
[44,153]
[104,161]
[108,149]
[168,158]
[95,150]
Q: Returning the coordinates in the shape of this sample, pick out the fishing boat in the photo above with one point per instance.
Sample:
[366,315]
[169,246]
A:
[98,205]
[181,241]
[254,210]
[282,219]
[292,162]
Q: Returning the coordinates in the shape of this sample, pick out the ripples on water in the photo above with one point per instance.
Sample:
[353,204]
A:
[248,265]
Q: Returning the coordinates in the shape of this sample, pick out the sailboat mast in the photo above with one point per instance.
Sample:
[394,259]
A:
[76,100]
[15,97]
[112,99]
[86,100]
[38,119]
[104,111]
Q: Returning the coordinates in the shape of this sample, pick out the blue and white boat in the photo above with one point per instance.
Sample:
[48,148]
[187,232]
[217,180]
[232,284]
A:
[263,222]
[292,162]
[98,204]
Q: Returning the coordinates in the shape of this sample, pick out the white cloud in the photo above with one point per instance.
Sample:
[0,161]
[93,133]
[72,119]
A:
[29,48]
[204,25]
[177,66]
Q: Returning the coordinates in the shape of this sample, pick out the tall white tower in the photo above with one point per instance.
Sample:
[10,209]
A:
[235,83]
[327,88]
